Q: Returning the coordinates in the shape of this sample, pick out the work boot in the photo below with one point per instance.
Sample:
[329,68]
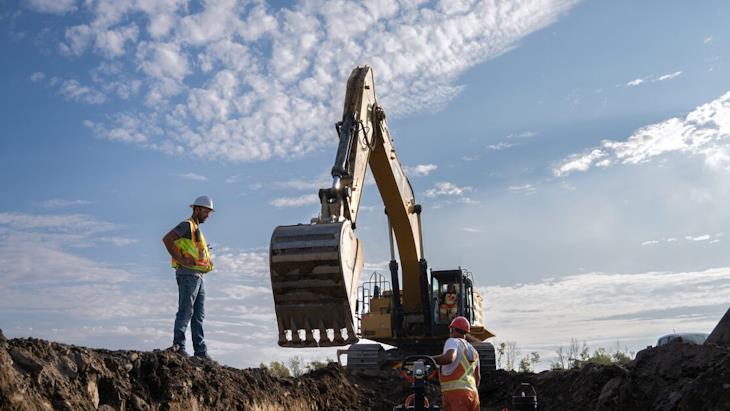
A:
[205,358]
[179,350]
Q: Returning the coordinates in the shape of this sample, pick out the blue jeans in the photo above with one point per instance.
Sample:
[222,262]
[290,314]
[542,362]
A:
[190,306]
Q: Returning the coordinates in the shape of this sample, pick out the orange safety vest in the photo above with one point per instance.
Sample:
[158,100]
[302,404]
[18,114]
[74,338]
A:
[196,248]
[462,378]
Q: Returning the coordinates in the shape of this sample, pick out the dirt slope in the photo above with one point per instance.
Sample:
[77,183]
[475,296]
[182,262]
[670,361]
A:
[37,374]
[672,377]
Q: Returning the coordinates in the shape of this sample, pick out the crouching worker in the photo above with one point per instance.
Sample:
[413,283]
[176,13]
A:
[191,260]
[459,375]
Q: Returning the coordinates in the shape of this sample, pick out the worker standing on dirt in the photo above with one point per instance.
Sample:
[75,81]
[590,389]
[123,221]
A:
[191,260]
[459,374]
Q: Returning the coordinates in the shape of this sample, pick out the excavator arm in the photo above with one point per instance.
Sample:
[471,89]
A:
[315,268]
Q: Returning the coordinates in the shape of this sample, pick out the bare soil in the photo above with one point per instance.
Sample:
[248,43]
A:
[39,375]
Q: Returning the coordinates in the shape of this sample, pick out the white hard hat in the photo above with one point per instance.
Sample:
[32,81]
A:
[203,201]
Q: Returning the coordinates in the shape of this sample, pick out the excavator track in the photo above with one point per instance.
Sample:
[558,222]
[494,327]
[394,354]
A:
[315,271]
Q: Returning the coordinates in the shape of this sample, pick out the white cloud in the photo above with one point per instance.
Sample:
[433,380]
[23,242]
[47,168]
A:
[305,184]
[58,202]
[420,170]
[74,91]
[118,241]
[37,77]
[78,39]
[499,146]
[226,80]
[710,238]
[193,176]
[127,130]
[668,76]
[303,200]
[578,162]
[445,188]
[51,6]
[653,79]
[251,263]
[525,189]
[707,40]
[112,42]
[703,132]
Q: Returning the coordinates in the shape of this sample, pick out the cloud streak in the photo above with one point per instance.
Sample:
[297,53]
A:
[653,79]
[59,203]
[193,176]
[420,170]
[299,201]
[703,132]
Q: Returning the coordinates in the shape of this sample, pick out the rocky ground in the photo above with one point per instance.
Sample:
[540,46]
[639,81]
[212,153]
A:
[38,375]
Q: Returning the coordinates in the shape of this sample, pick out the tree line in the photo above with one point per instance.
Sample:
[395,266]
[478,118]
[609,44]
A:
[574,355]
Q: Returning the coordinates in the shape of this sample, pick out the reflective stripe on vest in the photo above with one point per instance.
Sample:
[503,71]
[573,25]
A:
[196,248]
[462,378]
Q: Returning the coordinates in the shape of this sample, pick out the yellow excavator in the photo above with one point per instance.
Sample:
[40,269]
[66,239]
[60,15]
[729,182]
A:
[316,267]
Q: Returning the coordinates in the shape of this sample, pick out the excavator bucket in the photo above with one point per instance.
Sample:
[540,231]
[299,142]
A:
[315,272]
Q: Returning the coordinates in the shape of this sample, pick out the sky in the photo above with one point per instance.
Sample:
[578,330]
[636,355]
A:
[573,155]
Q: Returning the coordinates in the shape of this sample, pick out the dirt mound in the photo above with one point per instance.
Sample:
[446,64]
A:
[672,377]
[37,374]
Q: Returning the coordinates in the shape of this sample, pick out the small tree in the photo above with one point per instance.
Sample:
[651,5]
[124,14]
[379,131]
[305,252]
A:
[561,362]
[600,356]
[500,353]
[295,366]
[513,351]
[316,365]
[525,364]
[534,359]
[528,363]
[622,357]
[276,368]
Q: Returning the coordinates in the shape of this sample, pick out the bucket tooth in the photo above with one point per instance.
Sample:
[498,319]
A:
[324,338]
[351,337]
[309,340]
[295,333]
[339,340]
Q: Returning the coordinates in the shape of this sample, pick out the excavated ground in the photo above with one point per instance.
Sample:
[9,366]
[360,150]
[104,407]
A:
[37,375]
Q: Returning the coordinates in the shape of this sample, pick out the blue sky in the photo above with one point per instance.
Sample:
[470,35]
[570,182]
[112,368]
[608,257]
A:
[573,155]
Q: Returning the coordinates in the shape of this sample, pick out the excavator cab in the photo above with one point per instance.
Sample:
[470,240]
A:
[452,292]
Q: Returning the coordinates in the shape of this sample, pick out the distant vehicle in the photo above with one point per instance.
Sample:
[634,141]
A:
[689,338]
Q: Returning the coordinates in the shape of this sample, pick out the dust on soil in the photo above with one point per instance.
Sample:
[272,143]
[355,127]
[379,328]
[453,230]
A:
[37,374]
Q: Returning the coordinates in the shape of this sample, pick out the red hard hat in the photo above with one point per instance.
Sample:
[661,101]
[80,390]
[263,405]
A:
[460,323]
